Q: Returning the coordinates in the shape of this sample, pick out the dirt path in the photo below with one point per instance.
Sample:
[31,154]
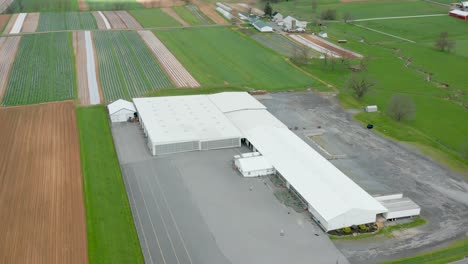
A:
[397,17]
[31,23]
[83,5]
[383,33]
[41,195]
[174,15]
[342,52]
[79,46]
[210,12]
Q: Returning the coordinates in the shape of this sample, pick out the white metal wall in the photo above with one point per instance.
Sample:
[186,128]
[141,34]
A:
[219,144]
[176,147]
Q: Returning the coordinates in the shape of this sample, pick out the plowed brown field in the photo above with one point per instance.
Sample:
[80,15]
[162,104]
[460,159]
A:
[42,217]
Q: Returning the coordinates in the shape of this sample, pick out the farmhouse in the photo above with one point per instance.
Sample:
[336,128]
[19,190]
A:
[459,14]
[224,120]
[291,24]
[261,26]
[121,110]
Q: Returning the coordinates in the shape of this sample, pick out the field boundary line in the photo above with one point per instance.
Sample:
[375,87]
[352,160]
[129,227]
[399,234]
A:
[436,3]
[396,17]
[383,33]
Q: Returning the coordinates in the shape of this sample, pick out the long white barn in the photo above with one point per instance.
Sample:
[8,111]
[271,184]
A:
[224,119]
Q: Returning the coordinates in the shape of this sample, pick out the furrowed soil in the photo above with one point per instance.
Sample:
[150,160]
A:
[41,198]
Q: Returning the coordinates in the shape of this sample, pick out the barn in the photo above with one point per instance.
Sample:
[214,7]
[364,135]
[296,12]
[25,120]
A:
[253,165]
[459,14]
[121,110]
[262,26]
[185,123]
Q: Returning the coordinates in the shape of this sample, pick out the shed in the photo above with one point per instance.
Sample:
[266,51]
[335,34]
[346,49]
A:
[262,26]
[253,165]
[277,18]
[459,14]
[323,34]
[121,110]
[371,108]
[398,206]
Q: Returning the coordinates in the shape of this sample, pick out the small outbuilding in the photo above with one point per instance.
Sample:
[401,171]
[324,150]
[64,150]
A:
[121,110]
[459,14]
[262,26]
[323,34]
[253,165]
[398,206]
[371,108]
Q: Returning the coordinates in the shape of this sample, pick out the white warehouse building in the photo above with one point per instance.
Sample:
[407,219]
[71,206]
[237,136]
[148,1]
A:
[199,122]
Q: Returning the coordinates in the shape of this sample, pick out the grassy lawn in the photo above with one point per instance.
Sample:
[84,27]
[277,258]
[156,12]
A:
[302,9]
[438,128]
[454,252]
[386,231]
[112,237]
[222,57]
[113,4]
[19,6]
[150,18]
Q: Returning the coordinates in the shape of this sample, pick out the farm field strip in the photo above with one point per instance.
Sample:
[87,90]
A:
[41,196]
[281,44]
[101,20]
[191,16]
[31,23]
[174,15]
[128,20]
[10,24]
[313,45]
[8,48]
[43,70]
[332,47]
[3,21]
[199,15]
[4,5]
[115,21]
[66,21]
[88,89]
[177,72]
[210,12]
[220,57]
[18,24]
[127,68]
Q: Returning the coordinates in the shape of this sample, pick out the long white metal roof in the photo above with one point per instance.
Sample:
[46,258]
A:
[233,101]
[328,190]
[184,118]
[119,105]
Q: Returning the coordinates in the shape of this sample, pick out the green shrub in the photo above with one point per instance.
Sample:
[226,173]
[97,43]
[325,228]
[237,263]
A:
[347,230]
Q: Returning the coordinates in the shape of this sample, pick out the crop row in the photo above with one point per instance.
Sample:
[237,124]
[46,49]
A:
[127,68]
[43,70]
[66,21]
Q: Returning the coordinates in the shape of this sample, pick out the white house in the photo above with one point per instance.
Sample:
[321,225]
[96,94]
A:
[262,26]
[121,110]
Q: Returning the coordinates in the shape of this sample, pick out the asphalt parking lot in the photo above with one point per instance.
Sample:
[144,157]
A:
[194,208]
[380,166]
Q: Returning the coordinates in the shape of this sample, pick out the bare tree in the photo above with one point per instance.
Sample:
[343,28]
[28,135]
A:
[443,43]
[328,14]
[347,17]
[300,55]
[360,84]
[401,107]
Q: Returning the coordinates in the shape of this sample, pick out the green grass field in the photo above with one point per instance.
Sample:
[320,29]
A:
[112,237]
[151,18]
[457,251]
[438,128]
[43,71]
[113,4]
[302,9]
[66,21]
[127,68]
[220,57]
[280,44]
[192,15]
[19,6]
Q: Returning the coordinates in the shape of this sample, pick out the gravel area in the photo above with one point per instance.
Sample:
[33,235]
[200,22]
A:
[380,166]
